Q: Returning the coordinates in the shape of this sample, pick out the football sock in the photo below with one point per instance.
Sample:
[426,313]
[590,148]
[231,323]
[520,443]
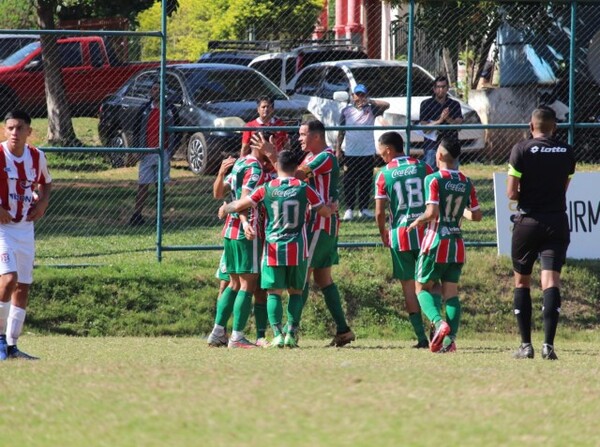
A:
[4,310]
[294,311]
[275,311]
[334,304]
[550,313]
[261,319]
[304,297]
[437,300]
[428,307]
[16,318]
[453,314]
[225,306]
[522,309]
[416,319]
[241,310]
[218,330]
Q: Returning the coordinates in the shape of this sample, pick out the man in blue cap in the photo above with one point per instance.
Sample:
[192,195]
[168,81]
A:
[358,155]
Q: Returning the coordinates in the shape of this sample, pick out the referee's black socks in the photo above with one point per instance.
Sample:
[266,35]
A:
[550,312]
[522,308]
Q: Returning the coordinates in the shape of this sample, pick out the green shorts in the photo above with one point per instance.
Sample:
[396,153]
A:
[283,276]
[242,256]
[429,270]
[221,272]
[403,264]
[322,250]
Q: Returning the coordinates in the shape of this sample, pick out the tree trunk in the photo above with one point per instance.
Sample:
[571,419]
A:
[60,125]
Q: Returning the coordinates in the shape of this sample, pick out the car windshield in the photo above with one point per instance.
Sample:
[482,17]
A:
[391,81]
[223,85]
[18,56]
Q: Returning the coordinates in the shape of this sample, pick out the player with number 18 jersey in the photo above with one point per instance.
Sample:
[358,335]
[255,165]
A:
[400,182]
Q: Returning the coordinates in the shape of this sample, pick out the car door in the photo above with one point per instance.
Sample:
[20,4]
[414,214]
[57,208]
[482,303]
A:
[135,97]
[335,80]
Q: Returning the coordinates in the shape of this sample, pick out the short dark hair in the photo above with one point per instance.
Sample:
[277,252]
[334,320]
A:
[315,126]
[266,98]
[17,114]
[287,162]
[440,78]
[393,139]
[544,113]
[452,145]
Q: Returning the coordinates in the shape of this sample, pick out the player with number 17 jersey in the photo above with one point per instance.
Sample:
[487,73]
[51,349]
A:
[452,191]
[286,201]
[400,182]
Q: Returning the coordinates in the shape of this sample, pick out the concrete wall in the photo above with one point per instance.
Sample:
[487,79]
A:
[504,105]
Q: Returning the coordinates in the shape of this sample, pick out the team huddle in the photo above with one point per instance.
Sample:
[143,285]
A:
[282,228]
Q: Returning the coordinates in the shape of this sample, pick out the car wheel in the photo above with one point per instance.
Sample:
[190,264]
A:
[197,154]
[119,159]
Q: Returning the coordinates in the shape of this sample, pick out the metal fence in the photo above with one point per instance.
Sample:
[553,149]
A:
[501,58]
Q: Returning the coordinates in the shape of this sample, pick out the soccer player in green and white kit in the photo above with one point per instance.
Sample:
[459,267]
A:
[284,263]
[449,196]
[399,185]
[241,256]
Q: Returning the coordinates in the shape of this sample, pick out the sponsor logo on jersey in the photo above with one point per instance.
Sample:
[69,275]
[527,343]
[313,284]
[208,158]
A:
[20,197]
[4,257]
[456,187]
[254,177]
[411,170]
[286,193]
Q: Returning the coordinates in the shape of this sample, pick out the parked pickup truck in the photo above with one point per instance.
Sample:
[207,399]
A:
[89,74]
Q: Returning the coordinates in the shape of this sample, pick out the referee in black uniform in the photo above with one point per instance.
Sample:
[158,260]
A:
[539,172]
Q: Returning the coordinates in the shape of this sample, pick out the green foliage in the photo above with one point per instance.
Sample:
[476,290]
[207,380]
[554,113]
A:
[17,14]
[198,21]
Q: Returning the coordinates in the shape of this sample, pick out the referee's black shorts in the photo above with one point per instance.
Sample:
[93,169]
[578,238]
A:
[537,234]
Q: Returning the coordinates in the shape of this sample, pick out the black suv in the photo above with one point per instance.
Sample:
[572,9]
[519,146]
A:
[237,52]
[208,95]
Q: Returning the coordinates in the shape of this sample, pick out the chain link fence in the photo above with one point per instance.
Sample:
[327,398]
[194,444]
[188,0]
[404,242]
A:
[90,95]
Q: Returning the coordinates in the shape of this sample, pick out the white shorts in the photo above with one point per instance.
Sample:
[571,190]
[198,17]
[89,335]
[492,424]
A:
[148,169]
[17,250]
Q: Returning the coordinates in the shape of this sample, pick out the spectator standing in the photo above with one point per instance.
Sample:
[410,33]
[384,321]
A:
[539,173]
[358,155]
[437,110]
[265,106]
[24,169]
[147,135]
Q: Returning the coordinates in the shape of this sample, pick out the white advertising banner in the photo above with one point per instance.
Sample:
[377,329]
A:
[583,209]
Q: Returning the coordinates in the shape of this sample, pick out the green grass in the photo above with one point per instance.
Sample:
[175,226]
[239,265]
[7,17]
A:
[177,392]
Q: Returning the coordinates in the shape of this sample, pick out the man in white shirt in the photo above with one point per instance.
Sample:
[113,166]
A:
[23,171]
[358,155]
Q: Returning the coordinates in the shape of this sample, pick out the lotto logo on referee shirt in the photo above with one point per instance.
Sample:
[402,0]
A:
[546,150]
[4,257]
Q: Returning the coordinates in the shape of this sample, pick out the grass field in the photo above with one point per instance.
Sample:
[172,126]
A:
[177,392]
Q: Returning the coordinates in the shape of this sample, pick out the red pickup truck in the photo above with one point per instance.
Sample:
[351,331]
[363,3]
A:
[89,74]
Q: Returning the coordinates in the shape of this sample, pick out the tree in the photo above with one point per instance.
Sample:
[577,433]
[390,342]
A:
[198,21]
[471,26]
[60,125]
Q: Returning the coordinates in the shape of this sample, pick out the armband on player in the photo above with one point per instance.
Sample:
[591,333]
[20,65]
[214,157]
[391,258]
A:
[245,225]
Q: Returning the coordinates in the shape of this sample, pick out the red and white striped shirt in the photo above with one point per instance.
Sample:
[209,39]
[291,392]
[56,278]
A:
[19,177]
